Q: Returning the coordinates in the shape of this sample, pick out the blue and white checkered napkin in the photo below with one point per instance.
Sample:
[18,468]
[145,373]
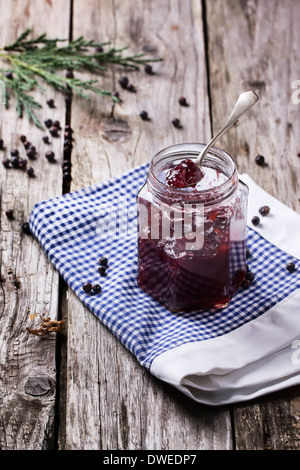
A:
[192,351]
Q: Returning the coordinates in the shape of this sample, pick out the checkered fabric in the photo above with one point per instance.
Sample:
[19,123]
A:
[77,228]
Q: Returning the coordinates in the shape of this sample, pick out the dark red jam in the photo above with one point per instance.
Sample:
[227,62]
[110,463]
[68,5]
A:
[173,269]
[186,173]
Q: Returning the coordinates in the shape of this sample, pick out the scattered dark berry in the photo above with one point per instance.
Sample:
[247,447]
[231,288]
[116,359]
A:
[14,153]
[26,229]
[131,88]
[46,139]
[9,75]
[176,123]
[15,162]
[56,124]
[22,163]
[1,144]
[6,163]
[67,176]
[148,69]
[9,214]
[30,171]
[255,220]
[182,101]
[68,135]
[99,49]
[66,165]
[68,143]
[260,160]
[69,74]
[102,270]
[249,276]
[103,261]
[87,287]
[144,116]
[96,289]
[30,153]
[23,138]
[245,283]
[50,156]
[50,103]
[67,151]
[68,128]
[290,267]
[53,131]
[26,144]
[48,123]
[264,210]
[123,81]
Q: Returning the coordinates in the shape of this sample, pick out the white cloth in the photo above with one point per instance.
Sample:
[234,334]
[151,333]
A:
[257,358]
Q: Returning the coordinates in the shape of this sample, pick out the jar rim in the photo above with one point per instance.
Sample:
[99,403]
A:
[188,150]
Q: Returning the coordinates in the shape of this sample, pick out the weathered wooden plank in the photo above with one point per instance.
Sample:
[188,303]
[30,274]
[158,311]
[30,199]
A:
[254,45]
[111,402]
[269,423]
[29,283]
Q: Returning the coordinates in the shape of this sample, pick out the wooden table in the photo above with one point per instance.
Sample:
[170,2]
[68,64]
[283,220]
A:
[80,389]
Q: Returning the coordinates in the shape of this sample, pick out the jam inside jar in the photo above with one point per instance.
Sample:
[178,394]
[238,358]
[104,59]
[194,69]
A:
[192,239]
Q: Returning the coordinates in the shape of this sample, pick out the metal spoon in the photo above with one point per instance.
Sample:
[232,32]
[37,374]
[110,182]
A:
[244,102]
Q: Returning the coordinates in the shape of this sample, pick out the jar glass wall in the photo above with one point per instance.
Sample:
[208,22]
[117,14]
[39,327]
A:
[192,241]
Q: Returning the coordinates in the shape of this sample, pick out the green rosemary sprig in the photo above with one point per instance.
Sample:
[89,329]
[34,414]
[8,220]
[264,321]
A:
[33,60]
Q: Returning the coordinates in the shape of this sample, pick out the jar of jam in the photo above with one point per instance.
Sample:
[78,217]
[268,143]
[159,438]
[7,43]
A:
[192,238]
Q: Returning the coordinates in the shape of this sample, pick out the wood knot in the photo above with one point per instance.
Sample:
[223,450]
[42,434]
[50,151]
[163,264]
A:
[38,386]
[116,129]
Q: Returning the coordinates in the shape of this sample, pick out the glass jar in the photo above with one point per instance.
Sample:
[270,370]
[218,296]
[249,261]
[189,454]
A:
[192,240]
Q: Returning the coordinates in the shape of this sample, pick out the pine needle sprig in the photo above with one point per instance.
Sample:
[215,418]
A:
[24,101]
[40,59]
[21,45]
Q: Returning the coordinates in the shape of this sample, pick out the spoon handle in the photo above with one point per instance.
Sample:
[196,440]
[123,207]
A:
[244,102]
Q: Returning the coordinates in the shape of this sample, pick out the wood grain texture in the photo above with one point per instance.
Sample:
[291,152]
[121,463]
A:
[255,45]
[112,402]
[106,399]
[29,284]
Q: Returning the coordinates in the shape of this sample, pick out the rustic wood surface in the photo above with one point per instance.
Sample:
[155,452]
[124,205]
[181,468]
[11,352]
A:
[29,284]
[82,389]
[259,41]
